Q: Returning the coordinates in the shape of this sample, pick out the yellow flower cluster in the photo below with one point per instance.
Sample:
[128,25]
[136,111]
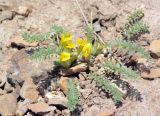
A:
[82,47]
[71,50]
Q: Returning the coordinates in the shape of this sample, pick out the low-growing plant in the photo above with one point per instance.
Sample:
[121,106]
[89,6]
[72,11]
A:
[72,95]
[134,26]
[69,53]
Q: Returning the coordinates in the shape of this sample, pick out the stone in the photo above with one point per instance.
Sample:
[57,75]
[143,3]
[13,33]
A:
[154,73]
[29,90]
[81,77]
[22,107]
[24,10]
[76,69]
[158,63]
[155,48]
[107,112]
[18,41]
[63,83]
[97,27]
[86,92]
[92,111]
[41,107]
[56,99]
[8,104]
[2,92]
[6,15]
[23,67]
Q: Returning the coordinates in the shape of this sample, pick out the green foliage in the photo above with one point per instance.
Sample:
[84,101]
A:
[135,30]
[57,29]
[35,37]
[121,70]
[135,16]
[44,53]
[107,86]
[89,32]
[97,47]
[130,47]
[72,95]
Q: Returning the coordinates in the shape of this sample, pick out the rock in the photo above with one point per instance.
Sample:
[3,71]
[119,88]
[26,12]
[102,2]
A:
[22,107]
[63,83]
[51,113]
[93,111]
[107,113]
[6,15]
[158,63]
[41,107]
[58,99]
[18,41]
[24,11]
[76,69]
[155,48]
[29,90]
[154,73]
[8,104]
[97,27]
[2,92]
[66,112]
[86,92]
[81,77]
[23,67]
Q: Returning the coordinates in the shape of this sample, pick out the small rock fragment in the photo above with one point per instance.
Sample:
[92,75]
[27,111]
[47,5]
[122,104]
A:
[41,107]
[18,41]
[155,48]
[93,111]
[29,90]
[97,27]
[107,113]
[76,69]
[24,11]
[63,83]
[158,63]
[2,92]
[8,104]
[56,99]
[22,107]
[86,92]
[154,73]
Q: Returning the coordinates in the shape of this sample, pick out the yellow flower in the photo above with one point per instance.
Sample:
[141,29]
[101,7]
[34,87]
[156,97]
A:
[65,38]
[66,41]
[70,45]
[86,51]
[65,56]
[81,42]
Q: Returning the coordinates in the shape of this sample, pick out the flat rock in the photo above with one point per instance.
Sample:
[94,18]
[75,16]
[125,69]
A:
[22,107]
[18,41]
[86,92]
[107,112]
[56,99]
[63,83]
[93,111]
[24,10]
[41,107]
[23,67]
[8,104]
[155,48]
[154,73]
[29,90]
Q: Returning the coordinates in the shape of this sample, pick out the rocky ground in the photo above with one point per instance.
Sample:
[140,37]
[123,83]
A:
[30,88]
